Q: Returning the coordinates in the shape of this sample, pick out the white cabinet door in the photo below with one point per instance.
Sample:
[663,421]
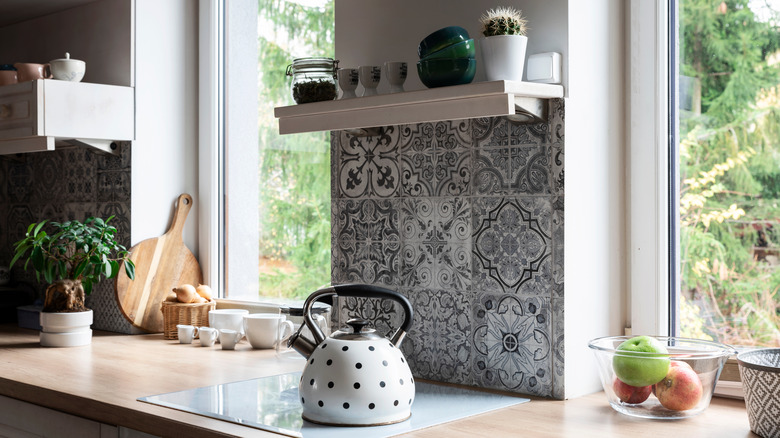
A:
[19,419]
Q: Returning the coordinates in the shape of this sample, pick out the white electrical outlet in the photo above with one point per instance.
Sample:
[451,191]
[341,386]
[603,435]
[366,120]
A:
[544,68]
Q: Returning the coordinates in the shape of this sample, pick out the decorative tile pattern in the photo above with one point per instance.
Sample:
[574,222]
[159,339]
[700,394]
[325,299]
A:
[473,237]
[521,133]
[512,170]
[512,345]
[437,249]
[512,247]
[493,131]
[102,301]
[20,181]
[67,184]
[558,249]
[365,219]
[368,166]
[438,345]
[557,170]
[557,120]
[558,390]
[365,262]
[435,159]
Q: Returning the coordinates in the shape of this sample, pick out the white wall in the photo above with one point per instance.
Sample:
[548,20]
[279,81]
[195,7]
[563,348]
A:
[165,152]
[392,30]
[595,255]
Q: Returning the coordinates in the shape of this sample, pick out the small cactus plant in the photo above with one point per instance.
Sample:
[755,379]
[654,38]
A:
[503,21]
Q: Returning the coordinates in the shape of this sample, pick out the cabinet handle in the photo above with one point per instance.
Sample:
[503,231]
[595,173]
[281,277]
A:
[5,111]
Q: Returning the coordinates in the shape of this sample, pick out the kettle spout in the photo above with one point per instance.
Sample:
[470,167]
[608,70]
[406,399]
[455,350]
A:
[301,344]
[398,337]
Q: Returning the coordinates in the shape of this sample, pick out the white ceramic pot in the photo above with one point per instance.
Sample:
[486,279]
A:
[66,329]
[66,69]
[503,57]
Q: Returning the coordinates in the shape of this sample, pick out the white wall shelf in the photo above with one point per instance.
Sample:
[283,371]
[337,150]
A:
[38,115]
[481,99]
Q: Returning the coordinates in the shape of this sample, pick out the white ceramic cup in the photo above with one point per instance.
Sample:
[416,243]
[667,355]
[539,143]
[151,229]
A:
[232,319]
[186,333]
[229,338]
[265,330]
[348,82]
[396,75]
[208,335]
[369,78]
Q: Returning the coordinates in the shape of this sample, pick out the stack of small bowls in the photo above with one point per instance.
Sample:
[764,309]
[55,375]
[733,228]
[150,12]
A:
[447,57]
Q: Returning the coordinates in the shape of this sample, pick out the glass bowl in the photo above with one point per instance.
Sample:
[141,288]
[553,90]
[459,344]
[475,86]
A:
[693,370]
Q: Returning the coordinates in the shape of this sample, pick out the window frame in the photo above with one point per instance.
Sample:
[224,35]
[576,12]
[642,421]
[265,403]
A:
[652,230]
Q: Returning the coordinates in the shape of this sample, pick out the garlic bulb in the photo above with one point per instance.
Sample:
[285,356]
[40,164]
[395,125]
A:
[204,291]
[186,293]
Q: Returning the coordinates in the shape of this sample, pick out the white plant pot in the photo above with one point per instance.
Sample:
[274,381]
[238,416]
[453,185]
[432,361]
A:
[503,57]
[66,329]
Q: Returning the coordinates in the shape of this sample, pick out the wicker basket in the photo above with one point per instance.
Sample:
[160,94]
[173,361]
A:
[184,313]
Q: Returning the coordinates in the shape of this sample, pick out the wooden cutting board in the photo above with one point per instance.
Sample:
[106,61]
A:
[161,264]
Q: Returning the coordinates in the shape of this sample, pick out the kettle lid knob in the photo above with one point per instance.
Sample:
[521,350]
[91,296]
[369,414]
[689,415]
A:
[357,324]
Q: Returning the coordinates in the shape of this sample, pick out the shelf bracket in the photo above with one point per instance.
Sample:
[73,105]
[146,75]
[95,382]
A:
[529,110]
[106,146]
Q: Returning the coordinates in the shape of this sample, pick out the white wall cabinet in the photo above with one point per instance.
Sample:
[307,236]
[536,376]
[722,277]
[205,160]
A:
[44,114]
[36,116]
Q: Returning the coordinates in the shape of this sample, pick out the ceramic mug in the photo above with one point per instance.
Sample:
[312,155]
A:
[28,71]
[229,338]
[186,333]
[265,330]
[396,75]
[208,335]
[232,319]
[348,82]
[7,77]
[369,78]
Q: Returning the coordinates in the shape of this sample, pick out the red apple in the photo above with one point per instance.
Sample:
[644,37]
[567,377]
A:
[631,394]
[681,388]
[675,363]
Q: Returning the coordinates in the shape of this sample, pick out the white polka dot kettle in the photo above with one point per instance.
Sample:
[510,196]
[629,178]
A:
[355,377]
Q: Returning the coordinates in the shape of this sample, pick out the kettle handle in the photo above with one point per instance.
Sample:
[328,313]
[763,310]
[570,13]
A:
[359,290]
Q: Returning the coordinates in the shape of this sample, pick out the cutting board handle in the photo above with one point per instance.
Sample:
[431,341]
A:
[183,206]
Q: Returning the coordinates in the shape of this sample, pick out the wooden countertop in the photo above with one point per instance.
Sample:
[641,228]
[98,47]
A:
[101,382]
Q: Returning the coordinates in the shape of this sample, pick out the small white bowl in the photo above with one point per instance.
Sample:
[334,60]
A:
[66,69]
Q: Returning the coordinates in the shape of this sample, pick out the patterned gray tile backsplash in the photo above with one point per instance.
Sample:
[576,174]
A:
[465,218]
[67,184]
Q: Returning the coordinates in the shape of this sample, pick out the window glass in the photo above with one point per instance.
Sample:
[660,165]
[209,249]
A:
[294,170]
[729,171]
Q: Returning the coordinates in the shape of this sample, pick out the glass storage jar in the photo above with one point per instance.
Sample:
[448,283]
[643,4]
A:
[313,79]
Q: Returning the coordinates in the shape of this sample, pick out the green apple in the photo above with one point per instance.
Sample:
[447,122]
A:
[641,361]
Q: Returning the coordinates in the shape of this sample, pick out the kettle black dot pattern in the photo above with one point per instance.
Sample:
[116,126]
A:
[375,384]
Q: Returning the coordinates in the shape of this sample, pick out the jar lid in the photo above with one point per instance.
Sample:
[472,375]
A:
[327,64]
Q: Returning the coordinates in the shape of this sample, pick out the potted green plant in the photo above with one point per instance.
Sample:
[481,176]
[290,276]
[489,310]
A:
[503,48]
[71,258]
